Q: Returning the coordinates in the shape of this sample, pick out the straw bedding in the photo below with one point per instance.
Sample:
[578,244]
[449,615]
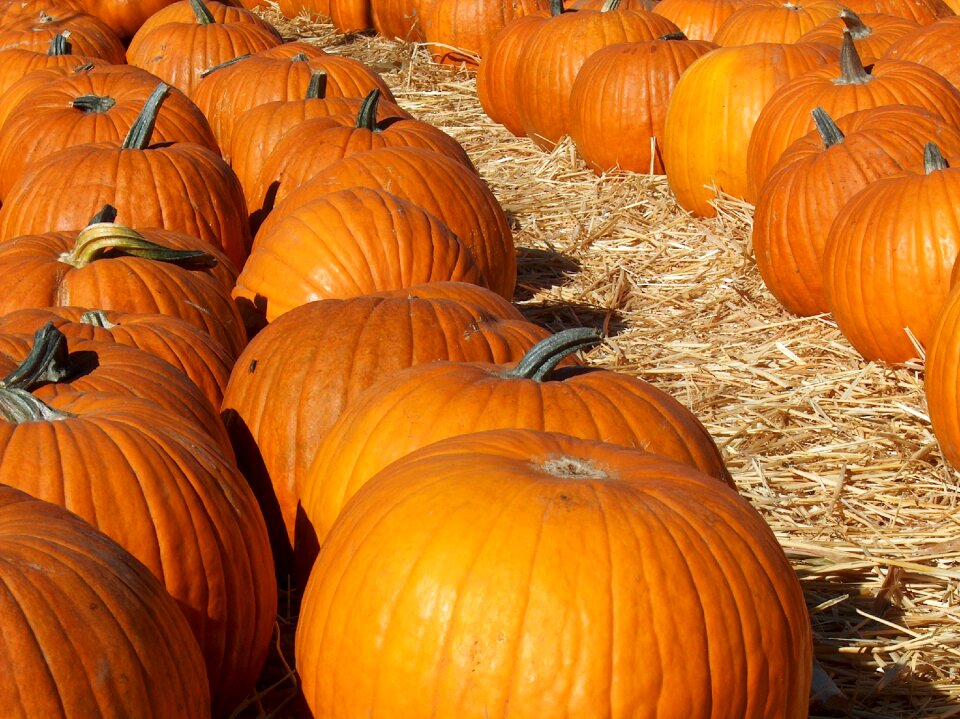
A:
[837,454]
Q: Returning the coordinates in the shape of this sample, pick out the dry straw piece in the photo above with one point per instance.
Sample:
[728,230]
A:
[837,454]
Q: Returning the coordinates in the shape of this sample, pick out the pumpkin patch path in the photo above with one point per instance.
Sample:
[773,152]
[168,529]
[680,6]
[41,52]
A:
[837,454]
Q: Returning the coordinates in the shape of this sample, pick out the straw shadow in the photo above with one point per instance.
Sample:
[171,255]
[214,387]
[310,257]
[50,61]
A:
[562,315]
[540,269]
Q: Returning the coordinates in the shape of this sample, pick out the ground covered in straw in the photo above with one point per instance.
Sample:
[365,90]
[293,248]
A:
[837,454]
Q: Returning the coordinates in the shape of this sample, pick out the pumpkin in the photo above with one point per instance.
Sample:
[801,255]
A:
[351,15]
[697,19]
[441,186]
[712,112]
[932,46]
[94,106]
[176,341]
[109,266]
[184,39]
[14,9]
[558,577]
[123,16]
[15,62]
[444,399]
[397,19]
[181,187]
[87,629]
[923,11]
[888,259]
[817,175]
[872,34]
[554,54]
[348,243]
[779,21]
[159,486]
[841,88]
[942,377]
[88,35]
[312,361]
[619,100]
[307,8]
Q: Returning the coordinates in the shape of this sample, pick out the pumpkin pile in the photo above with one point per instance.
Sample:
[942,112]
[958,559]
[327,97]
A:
[257,324]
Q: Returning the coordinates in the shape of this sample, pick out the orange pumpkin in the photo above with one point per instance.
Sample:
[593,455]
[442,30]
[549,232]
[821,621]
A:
[778,21]
[933,46]
[697,19]
[555,576]
[942,377]
[872,34]
[88,35]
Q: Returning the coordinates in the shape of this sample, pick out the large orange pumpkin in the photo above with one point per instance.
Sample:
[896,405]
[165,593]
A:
[779,21]
[698,19]
[534,575]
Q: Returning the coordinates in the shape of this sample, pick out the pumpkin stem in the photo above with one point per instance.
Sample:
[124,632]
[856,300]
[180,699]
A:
[556,8]
[93,103]
[19,407]
[48,361]
[829,132]
[227,63]
[609,5]
[96,318]
[200,9]
[678,35]
[852,71]
[60,45]
[540,359]
[367,116]
[299,57]
[933,159]
[317,89]
[853,23]
[85,67]
[141,131]
[107,214]
[106,239]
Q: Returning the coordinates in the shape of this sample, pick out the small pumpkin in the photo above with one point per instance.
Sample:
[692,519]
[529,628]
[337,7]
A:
[88,35]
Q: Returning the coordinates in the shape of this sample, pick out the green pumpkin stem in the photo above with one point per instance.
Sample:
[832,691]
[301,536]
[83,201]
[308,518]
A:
[367,116]
[317,89]
[678,35]
[20,407]
[556,8]
[93,103]
[60,45]
[300,57]
[200,9]
[933,159]
[541,359]
[227,63]
[852,71]
[85,67]
[829,132]
[141,131]
[107,239]
[48,361]
[610,5]
[96,318]
[108,213]
[854,24]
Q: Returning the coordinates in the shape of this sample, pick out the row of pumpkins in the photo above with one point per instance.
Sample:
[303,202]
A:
[255,322]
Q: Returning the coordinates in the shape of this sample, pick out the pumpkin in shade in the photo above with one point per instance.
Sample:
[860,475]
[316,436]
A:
[123,16]
[553,55]
[351,15]
[933,46]
[816,176]
[872,34]
[619,102]
[532,574]
[712,112]
[697,19]
[181,187]
[184,39]
[191,350]
[888,259]
[347,243]
[841,88]
[942,377]
[156,484]
[781,21]
[397,19]
[15,62]
[444,399]
[88,35]
[87,629]
[94,106]
[438,184]
[296,376]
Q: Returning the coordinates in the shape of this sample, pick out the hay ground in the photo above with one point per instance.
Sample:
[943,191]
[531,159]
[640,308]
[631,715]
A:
[837,454]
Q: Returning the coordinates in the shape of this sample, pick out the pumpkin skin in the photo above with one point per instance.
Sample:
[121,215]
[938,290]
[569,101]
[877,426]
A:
[71,594]
[923,11]
[351,15]
[444,399]
[872,34]
[192,351]
[697,19]
[124,16]
[397,19]
[157,485]
[348,243]
[888,264]
[777,21]
[15,9]
[704,143]
[88,35]
[932,46]
[15,62]
[942,378]
[840,89]
[312,361]
[552,57]
[529,574]
[179,43]
[619,100]
[95,106]
[442,187]
[816,176]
